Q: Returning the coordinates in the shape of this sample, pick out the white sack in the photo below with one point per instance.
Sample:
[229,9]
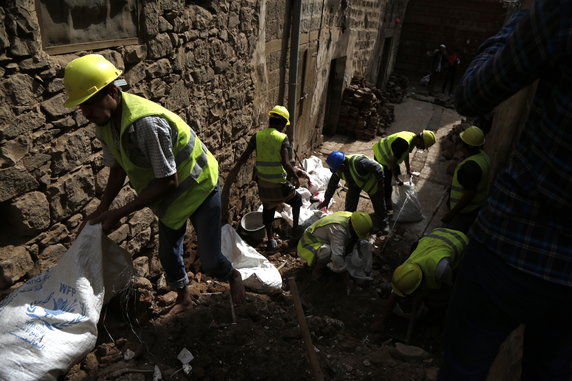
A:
[406,206]
[50,322]
[359,261]
[320,175]
[257,272]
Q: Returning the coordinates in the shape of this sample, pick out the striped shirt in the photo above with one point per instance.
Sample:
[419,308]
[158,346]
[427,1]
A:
[527,220]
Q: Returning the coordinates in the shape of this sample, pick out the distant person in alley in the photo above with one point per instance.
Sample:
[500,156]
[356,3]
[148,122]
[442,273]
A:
[393,150]
[360,173]
[469,189]
[169,167]
[275,175]
[328,241]
[517,268]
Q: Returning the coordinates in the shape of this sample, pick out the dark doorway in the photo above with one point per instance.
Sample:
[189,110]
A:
[334,98]
[382,75]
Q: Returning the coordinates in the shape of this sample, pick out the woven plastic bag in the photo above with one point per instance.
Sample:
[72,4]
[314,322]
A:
[406,206]
[50,322]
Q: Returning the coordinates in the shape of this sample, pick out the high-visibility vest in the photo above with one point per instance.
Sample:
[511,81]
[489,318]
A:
[197,168]
[383,152]
[309,244]
[367,182]
[483,161]
[268,155]
[440,243]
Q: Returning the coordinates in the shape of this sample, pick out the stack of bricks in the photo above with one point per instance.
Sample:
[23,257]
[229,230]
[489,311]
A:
[359,116]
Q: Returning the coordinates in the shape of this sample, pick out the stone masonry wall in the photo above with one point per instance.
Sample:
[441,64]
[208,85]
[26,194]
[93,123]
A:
[219,64]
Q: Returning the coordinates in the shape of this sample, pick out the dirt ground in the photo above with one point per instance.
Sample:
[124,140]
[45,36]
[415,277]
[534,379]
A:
[265,342]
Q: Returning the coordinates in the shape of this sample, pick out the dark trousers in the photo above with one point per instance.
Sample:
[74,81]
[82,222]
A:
[377,201]
[490,299]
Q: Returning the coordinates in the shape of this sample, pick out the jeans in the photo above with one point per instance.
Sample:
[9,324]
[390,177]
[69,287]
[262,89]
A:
[206,221]
[490,299]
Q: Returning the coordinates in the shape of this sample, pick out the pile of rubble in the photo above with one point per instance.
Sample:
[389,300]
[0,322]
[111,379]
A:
[395,88]
[366,111]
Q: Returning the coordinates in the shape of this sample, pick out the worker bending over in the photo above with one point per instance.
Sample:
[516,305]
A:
[328,240]
[359,173]
[469,189]
[393,150]
[428,269]
[276,177]
[169,167]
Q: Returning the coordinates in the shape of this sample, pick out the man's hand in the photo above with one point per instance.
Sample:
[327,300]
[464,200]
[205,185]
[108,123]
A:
[108,220]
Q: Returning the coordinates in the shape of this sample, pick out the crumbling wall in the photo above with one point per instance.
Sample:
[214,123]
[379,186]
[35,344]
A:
[220,64]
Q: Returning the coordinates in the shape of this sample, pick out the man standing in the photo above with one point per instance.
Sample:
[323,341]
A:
[438,66]
[360,173]
[171,170]
[328,240]
[273,170]
[517,268]
[469,189]
[453,61]
[393,150]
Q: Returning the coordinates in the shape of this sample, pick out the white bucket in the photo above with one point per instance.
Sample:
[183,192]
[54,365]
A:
[252,224]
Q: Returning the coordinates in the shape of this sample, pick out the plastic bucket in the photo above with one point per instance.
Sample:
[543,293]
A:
[252,224]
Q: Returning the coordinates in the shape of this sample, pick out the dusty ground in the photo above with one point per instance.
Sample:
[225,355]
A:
[265,341]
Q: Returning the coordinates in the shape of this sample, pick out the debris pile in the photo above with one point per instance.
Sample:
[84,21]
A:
[365,111]
[395,88]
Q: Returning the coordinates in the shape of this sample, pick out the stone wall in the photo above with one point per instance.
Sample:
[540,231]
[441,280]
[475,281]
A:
[219,64]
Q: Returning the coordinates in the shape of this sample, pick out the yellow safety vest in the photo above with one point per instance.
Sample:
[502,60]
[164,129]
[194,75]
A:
[197,168]
[309,244]
[368,182]
[440,243]
[268,155]
[382,149]
[483,161]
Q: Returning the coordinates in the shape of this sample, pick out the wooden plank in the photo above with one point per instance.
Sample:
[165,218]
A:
[92,45]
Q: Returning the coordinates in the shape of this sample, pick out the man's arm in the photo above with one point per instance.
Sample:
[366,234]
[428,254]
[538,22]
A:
[515,57]
[332,185]
[285,159]
[231,177]
[159,189]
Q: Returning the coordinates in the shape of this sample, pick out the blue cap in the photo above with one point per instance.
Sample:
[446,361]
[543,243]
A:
[335,160]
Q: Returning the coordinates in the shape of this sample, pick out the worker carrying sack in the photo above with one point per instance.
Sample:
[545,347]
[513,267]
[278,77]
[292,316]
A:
[50,322]
[406,206]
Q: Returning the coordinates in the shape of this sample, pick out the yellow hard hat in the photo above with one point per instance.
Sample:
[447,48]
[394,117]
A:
[406,279]
[361,221]
[428,138]
[473,136]
[85,76]
[280,111]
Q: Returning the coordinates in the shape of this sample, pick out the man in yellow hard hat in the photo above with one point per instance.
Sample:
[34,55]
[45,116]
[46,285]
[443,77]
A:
[328,240]
[469,188]
[275,175]
[393,150]
[360,173]
[428,269]
[169,167]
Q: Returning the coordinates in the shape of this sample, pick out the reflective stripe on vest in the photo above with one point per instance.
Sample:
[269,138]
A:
[309,244]
[431,249]
[382,149]
[269,156]
[483,161]
[367,183]
[197,168]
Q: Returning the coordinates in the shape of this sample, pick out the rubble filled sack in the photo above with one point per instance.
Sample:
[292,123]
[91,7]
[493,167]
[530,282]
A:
[258,274]
[406,206]
[50,322]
